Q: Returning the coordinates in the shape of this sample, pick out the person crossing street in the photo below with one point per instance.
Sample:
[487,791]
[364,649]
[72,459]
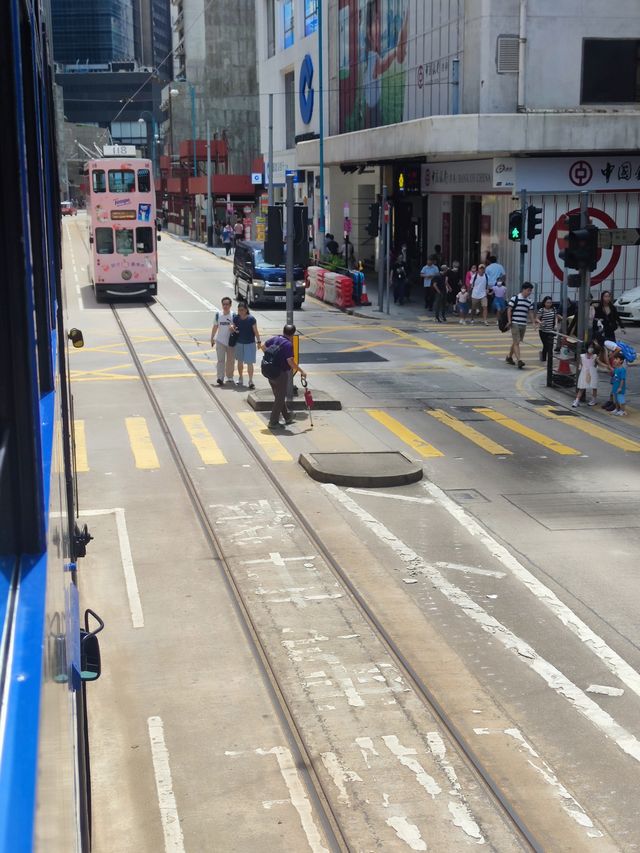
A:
[519,313]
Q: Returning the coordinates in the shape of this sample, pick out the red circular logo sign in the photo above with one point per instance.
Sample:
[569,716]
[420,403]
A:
[580,173]
[603,220]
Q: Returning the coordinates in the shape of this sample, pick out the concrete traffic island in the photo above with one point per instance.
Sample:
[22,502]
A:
[262,401]
[362,470]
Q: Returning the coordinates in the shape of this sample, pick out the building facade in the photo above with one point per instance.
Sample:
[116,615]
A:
[92,31]
[455,106]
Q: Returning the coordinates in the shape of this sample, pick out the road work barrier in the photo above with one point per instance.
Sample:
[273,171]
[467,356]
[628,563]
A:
[336,288]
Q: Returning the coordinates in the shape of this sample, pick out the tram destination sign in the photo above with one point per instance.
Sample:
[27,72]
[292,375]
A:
[608,237]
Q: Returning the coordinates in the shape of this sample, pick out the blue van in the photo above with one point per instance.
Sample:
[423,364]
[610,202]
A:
[254,280]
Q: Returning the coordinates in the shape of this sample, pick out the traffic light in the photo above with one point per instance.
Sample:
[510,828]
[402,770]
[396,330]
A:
[373,223]
[515,225]
[582,249]
[273,244]
[534,221]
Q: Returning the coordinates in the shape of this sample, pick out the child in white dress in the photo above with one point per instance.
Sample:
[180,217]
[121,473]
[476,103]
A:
[588,377]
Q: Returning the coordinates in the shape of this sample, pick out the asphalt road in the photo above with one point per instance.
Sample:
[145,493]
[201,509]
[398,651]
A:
[508,575]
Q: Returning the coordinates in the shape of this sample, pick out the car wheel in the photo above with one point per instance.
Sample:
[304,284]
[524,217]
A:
[297,306]
[250,300]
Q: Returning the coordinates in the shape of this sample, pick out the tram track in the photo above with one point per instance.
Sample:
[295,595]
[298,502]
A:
[319,796]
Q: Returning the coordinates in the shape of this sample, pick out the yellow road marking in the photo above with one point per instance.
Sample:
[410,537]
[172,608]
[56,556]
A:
[203,441]
[141,444]
[264,437]
[527,432]
[410,438]
[602,433]
[469,432]
[371,344]
[418,342]
[82,463]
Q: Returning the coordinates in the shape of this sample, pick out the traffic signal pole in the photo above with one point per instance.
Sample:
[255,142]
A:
[289,268]
[585,277]
[523,237]
[382,249]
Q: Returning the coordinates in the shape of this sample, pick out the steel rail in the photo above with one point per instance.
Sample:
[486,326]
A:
[500,798]
[302,757]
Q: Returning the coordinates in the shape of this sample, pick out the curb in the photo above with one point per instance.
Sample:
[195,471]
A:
[394,469]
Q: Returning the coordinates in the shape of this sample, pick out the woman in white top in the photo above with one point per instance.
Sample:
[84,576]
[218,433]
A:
[479,299]
[220,334]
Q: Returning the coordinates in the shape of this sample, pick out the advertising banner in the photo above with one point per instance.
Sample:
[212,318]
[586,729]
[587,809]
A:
[394,60]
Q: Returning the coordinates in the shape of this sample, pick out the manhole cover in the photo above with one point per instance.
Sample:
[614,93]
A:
[340,357]
[465,495]
[569,511]
[362,470]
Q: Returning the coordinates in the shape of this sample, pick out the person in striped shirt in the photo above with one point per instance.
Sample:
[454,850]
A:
[519,312]
[548,317]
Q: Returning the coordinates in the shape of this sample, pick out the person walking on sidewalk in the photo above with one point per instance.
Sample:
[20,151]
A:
[479,295]
[286,363]
[220,334]
[440,288]
[227,237]
[548,318]
[519,312]
[427,273]
[248,336]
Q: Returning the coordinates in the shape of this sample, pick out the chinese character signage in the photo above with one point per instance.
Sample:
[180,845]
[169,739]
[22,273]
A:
[569,174]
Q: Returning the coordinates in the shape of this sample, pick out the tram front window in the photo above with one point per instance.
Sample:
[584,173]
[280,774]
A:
[124,241]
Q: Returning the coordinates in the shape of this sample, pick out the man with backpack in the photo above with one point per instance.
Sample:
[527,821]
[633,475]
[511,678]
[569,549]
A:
[519,313]
[277,361]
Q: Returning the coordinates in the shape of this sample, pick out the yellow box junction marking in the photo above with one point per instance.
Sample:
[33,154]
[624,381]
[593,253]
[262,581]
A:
[80,440]
[263,436]
[527,432]
[410,438]
[602,433]
[418,342]
[203,441]
[469,432]
[141,444]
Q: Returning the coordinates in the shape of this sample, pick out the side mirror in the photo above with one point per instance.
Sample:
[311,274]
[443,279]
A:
[91,238]
[159,238]
[90,665]
[76,338]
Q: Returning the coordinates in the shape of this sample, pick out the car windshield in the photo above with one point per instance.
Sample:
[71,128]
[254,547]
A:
[259,259]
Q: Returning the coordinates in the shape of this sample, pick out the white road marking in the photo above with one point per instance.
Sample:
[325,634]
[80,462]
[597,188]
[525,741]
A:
[299,799]
[130,580]
[616,664]
[173,840]
[471,570]
[185,257]
[227,283]
[555,679]
[189,290]
[403,754]
[604,691]
[366,747]
[340,775]
[407,832]
[373,493]
[569,803]
[459,810]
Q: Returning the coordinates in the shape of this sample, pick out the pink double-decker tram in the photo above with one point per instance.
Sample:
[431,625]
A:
[122,228]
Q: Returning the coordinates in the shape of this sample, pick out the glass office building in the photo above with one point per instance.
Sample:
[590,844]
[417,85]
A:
[92,31]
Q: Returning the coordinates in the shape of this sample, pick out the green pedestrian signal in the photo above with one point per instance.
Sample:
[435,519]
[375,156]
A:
[515,225]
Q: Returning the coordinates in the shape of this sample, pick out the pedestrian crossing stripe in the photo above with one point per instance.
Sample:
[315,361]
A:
[261,433]
[595,430]
[428,451]
[141,445]
[469,432]
[202,440]
[532,434]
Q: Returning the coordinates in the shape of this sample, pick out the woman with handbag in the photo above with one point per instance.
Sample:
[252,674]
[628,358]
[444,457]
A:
[247,338]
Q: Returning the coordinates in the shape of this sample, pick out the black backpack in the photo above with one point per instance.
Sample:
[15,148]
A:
[270,366]
[503,319]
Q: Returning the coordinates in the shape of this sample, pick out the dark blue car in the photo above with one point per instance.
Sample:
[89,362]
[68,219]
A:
[255,280]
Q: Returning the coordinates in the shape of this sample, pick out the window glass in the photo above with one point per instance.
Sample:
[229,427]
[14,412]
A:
[124,241]
[287,17]
[122,181]
[271,27]
[144,240]
[310,16]
[104,241]
[610,71]
[289,110]
[144,181]
[98,181]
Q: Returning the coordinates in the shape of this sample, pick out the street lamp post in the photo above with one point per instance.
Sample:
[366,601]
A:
[154,136]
